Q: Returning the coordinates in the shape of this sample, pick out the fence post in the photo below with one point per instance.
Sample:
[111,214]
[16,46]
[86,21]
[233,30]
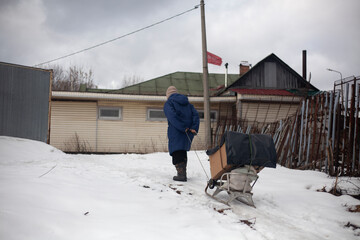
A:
[301,130]
[344,148]
[356,128]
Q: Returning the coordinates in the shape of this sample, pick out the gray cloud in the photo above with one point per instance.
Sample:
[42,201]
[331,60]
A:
[74,17]
[35,31]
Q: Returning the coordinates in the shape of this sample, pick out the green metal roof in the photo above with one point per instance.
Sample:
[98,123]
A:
[187,83]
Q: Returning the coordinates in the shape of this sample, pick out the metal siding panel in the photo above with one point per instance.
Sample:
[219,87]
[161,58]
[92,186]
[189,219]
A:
[68,118]
[24,108]
[134,133]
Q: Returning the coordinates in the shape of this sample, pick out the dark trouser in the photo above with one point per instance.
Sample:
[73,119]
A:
[179,157]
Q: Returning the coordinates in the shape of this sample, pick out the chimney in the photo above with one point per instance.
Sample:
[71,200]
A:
[226,74]
[304,64]
[244,67]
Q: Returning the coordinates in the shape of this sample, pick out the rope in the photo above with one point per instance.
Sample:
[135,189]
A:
[198,158]
[251,159]
[251,153]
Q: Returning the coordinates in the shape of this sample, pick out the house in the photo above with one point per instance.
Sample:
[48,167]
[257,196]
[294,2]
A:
[130,119]
[268,92]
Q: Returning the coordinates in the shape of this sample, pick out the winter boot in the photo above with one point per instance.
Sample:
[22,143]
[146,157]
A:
[181,172]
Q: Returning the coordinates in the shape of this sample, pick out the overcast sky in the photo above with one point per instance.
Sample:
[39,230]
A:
[36,31]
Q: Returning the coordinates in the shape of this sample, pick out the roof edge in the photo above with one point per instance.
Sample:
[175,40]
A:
[128,97]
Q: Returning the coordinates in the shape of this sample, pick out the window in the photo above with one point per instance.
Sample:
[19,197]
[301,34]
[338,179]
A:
[110,113]
[156,115]
[213,115]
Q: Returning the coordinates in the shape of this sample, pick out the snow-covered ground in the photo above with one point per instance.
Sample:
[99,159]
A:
[47,194]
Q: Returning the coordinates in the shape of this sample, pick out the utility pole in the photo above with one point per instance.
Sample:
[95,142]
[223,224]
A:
[205,79]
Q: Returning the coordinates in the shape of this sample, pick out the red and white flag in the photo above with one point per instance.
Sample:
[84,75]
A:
[213,59]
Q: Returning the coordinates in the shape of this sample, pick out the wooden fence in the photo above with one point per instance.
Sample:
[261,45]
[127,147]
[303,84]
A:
[324,134]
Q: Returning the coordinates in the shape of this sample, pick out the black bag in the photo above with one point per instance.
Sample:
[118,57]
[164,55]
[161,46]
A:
[248,149]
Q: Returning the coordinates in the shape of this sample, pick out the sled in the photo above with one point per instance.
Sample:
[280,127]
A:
[237,184]
[233,162]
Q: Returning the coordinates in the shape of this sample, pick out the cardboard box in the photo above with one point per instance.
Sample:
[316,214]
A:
[218,163]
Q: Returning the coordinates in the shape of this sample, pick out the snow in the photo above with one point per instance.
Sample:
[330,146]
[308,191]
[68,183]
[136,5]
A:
[47,194]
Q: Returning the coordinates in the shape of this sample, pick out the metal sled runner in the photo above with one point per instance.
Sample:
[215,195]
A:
[232,165]
[237,184]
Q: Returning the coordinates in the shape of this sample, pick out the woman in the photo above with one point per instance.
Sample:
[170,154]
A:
[183,124]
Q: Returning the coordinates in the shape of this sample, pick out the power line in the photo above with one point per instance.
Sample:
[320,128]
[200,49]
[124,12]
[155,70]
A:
[114,39]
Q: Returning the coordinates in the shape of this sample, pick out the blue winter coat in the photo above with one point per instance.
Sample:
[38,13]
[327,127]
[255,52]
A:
[181,115]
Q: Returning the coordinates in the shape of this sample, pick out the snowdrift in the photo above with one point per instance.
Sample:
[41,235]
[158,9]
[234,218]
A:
[47,194]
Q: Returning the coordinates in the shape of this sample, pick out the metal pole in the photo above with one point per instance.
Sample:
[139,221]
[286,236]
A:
[325,111]
[226,74]
[304,64]
[301,130]
[332,95]
[344,126]
[341,85]
[356,121]
[306,127]
[337,96]
[332,70]
[205,79]
[309,132]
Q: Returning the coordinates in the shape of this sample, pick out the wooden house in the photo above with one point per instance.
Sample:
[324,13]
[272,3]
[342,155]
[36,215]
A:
[267,92]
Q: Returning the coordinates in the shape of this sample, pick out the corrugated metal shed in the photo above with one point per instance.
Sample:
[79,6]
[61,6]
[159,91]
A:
[187,83]
[24,101]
